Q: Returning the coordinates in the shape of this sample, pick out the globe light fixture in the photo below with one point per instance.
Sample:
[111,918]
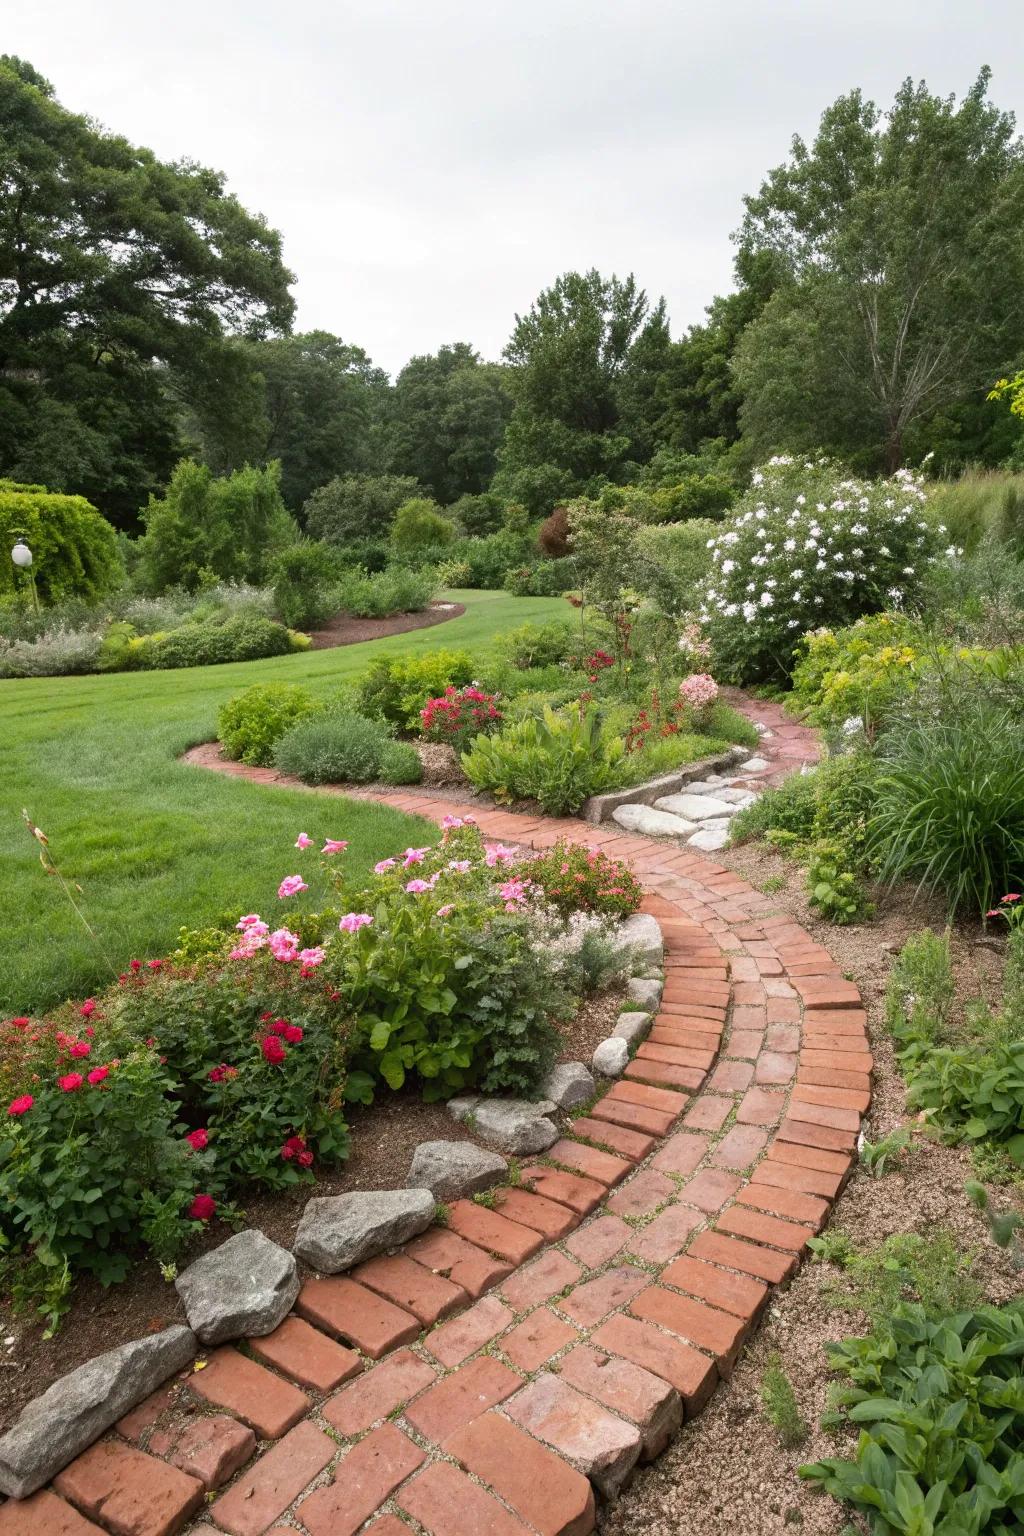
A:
[21,555]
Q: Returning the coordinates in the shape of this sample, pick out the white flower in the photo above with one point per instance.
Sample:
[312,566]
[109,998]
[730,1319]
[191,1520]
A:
[797,597]
[820,566]
[757,478]
[908,570]
[793,624]
[766,600]
[749,611]
[789,546]
[810,543]
[801,500]
[727,566]
[731,538]
[730,610]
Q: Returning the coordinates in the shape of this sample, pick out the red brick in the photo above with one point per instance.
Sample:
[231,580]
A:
[708,1113]
[553,1497]
[718,1333]
[412,1287]
[463,1263]
[142,1417]
[739,1147]
[595,1299]
[819,1136]
[340,1306]
[252,1394]
[783,1037]
[599,1241]
[748,993]
[681,1153]
[692,1374]
[811,1157]
[44,1515]
[370,1472]
[266,1490]
[307,1355]
[665,1099]
[633,1145]
[581,1195]
[744,1044]
[761,1106]
[675,1055]
[783,1010]
[212,1447]
[731,1077]
[663,1073]
[795,1205]
[748,1258]
[818,1077]
[545,1216]
[602,1166]
[446,1502]
[133,1494]
[824,1114]
[775,1067]
[454,1341]
[628,1390]
[667,1235]
[508,1239]
[536,1339]
[603,1446]
[705,1035]
[539,1280]
[829,994]
[739,1221]
[635,1117]
[461,1397]
[378,1392]
[807,1180]
[709,1190]
[387,1525]
[744,1018]
[643,1194]
[738,1294]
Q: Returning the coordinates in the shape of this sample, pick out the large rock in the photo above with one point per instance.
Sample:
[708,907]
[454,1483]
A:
[755,765]
[709,842]
[611,1057]
[695,807]
[568,1084]
[645,992]
[739,799]
[651,823]
[450,1169]
[518,1126]
[244,1288]
[642,933]
[632,1027]
[340,1230]
[54,1428]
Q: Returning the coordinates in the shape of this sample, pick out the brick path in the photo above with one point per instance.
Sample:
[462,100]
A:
[501,1371]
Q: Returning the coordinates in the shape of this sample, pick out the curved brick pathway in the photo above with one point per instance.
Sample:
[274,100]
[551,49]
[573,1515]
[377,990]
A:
[498,1373]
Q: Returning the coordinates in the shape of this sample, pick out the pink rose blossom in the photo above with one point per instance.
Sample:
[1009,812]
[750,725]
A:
[284,945]
[414,856]
[291,885]
[383,865]
[334,845]
[251,920]
[498,854]
[460,866]
[21,1106]
[446,911]
[302,841]
[88,1008]
[79,1048]
[98,1074]
[417,887]
[353,921]
[311,958]
[70,1082]
[197,1140]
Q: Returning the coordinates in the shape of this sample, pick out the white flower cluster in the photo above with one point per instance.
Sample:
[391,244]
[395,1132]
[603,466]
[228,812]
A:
[558,940]
[809,545]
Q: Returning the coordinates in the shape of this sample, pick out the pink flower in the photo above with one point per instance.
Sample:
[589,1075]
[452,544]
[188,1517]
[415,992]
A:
[460,866]
[513,892]
[202,1208]
[699,690]
[414,856]
[154,965]
[251,943]
[353,921]
[284,945]
[217,1074]
[251,920]
[98,1074]
[498,854]
[70,1082]
[21,1106]
[197,1140]
[79,1048]
[302,841]
[304,1158]
[334,845]
[311,958]
[88,1008]
[273,1051]
[291,885]
[449,823]
[1011,896]
[446,911]
[416,887]
[383,865]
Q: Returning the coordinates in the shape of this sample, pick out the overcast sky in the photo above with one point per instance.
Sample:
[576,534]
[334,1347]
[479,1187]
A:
[432,164]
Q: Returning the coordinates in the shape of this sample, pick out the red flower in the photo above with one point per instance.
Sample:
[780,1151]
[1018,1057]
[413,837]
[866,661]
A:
[273,1050]
[88,1008]
[21,1106]
[304,1158]
[202,1208]
[80,1048]
[295,1147]
[69,1083]
[216,1074]
[98,1074]
[292,1033]
[135,965]
[20,1023]
[265,1016]
[197,1140]
[155,965]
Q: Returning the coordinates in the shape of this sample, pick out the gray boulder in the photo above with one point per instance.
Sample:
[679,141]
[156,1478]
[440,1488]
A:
[709,841]
[645,992]
[450,1169]
[649,822]
[694,807]
[338,1231]
[517,1126]
[611,1057]
[243,1288]
[569,1084]
[55,1428]
[641,933]
[738,798]
[462,1108]
[754,765]
[632,1027]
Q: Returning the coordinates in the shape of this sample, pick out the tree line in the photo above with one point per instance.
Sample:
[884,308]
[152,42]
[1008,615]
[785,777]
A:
[146,316]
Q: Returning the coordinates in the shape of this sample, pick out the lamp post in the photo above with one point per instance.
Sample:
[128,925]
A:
[22,557]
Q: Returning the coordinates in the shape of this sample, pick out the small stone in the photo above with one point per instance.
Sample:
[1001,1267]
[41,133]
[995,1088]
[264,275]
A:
[738,798]
[645,992]
[516,1126]
[708,785]
[450,1169]
[715,824]
[611,1057]
[708,842]
[632,1027]
[694,807]
[649,822]
[339,1230]
[642,933]
[754,765]
[247,1286]
[462,1107]
[568,1084]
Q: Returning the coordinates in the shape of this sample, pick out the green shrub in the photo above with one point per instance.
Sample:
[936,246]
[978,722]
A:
[787,807]
[673,560]
[377,595]
[780,1405]
[231,526]
[74,548]
[58,652]
[538,645]
[834,890]
[420,525]
[845,788]
[488,560]
[663,754]
[250,725]
[559,760]
[477,515]
[335,748]
[246,637]
[303,576]
[575,878]
[543,578]
[396,688]
[933,1272]
[400,763]
[865,671]
[357,507]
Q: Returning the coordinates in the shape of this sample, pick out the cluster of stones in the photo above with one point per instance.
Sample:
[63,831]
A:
[700,815]
[496,1372]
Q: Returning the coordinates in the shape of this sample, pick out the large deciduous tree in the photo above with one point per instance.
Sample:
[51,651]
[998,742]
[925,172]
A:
[116,270]
[446,420]
[900,240]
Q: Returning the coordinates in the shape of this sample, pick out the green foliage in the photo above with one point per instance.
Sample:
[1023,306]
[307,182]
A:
[575,878]
[446,419]
[476,515]
[780,1405]
[560,760]
[786,807]
[835,891]
[674,559]
[1003,1225]
[332,748]
[233,526]
[877,1156]
[74,549]
[663,754]
[538,645]
[981,505]
[396,688]
[244,637]
[303,577]
[933,1272]
[357,507]
[867,670]
[938,1404]
[400,763]
[250,724]
[420,525]
[382,593]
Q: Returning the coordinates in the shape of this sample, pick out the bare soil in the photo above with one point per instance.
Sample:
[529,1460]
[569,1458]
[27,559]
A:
[344,630]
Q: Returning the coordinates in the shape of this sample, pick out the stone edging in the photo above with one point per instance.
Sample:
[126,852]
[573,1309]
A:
[497,1371]
[600,807]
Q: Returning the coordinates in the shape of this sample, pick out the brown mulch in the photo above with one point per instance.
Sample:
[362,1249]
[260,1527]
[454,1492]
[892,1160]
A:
[344,630]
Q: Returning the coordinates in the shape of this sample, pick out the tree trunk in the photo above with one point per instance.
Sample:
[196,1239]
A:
[894,451]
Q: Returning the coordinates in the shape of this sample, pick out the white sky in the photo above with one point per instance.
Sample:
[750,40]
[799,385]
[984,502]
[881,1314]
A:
[432,164]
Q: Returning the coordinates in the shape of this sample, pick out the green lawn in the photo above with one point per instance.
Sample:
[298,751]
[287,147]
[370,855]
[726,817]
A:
[156,844]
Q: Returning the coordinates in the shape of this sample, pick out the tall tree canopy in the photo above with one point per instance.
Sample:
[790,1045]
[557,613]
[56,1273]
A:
[900,240]
[115,268]
[446,420]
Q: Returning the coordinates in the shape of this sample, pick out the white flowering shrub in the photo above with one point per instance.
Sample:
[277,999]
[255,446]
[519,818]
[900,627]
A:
[809,546]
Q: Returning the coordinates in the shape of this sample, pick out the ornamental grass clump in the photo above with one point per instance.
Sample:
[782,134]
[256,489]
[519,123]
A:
[809,546]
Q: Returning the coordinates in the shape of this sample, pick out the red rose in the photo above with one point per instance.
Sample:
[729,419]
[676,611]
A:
[304,1158]
[20,1023]
[80,1048]
[98,1074]
[287,1152]
[273,1050]
[202,1208]
[135,965]
[69,1083]
[197,1140]
[88,1008]
[215,1074]
[21,1106]
[292,1033]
